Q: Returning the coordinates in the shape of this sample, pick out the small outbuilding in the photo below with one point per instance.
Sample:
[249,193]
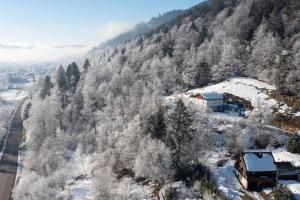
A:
[234,107]
[287,171]
[256,170]
[211,100]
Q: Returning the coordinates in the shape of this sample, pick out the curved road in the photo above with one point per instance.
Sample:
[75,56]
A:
[9,160]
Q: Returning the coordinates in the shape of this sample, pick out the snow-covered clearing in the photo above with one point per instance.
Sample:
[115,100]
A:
[80,189]
[246,88]
[13,95]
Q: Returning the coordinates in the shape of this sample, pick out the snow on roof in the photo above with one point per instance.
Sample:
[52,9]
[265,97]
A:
[259,163]
[281,155]
[211,95]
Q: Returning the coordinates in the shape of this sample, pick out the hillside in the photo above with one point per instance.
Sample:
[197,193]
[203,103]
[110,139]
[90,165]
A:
[142,28]
[112,109]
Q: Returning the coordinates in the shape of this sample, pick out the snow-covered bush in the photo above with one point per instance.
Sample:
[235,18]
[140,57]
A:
[281,193]
[5,115]
[103,187]
[153,161]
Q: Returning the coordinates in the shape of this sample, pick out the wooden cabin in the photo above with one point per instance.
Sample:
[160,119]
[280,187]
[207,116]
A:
[256,170]
[212,100]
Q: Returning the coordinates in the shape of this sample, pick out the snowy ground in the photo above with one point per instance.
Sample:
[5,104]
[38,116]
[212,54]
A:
[255,91]
[247,88]
[80,165]
[225,177]
[294,186]
[229,184]
[81,189]
[12,96]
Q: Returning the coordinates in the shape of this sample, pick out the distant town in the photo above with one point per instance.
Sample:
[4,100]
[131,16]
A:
[15,77]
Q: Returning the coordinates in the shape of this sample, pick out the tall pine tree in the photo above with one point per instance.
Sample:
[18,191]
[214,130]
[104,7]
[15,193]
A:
[179,132]
[86,65]
[73,76]
[46,87]
[62,84]
[61,79]
[156,126]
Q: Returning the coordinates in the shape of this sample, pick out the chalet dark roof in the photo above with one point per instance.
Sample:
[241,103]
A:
[257,161]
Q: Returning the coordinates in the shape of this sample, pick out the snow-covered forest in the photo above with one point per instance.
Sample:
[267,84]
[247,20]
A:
[4,81]
[5,114]
[111,108]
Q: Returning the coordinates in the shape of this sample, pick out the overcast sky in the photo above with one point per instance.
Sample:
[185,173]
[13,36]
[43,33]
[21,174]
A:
[43,30]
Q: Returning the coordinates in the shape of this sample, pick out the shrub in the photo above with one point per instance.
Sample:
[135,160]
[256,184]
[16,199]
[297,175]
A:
[262,141]
[192,173]
[294,144]
[209,190]
[281,193]
[222,162]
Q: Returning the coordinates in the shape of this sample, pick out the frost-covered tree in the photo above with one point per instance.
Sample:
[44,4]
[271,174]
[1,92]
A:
[196,72]
[46,87]
[293,77]
[266,48]
[73,76]
[62,85]
[4,81]
[153,161]
[61,80]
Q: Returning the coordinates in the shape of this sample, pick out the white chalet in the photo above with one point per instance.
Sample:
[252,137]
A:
[211,100]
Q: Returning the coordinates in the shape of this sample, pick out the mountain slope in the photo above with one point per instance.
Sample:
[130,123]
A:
[113,110]
[142,28]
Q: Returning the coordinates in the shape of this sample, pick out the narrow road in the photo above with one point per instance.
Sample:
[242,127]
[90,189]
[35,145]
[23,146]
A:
[9,161]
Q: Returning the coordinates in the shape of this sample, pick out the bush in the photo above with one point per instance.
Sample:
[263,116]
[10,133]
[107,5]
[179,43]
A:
[294,144]
[262,141]
[209,190]
[281,193]
[192,173]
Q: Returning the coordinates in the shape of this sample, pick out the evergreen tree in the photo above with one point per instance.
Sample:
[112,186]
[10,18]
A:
[156,124]
[62,84]
[73,75]
[293,77]
[217,5]
[86,65]
[294,144]
[275,23]
[179,132]
[61,79]
[46,87]
[283,67]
